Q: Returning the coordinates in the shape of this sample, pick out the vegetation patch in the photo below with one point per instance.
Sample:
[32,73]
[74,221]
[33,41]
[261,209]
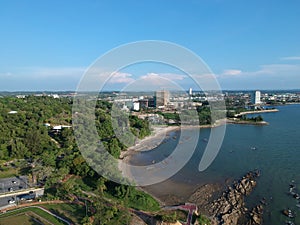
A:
[31,215]
[73,212]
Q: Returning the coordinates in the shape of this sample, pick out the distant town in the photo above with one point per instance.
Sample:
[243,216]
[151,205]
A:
[165,100]
[41,163]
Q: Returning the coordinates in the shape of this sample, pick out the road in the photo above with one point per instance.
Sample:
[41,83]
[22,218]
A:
[13,184]
[4,202]
[6,197]
[187,207]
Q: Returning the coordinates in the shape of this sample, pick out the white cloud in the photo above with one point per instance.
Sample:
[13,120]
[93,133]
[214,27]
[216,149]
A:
[173,76]
[168,76]
[155,81]
[290,58]
[276,69]
[263,70]
[269,76]
[118,78]
[231,72]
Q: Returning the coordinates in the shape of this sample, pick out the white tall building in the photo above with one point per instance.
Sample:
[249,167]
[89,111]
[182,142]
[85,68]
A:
[136,106]
[162,98]
[190,91]
[255,98]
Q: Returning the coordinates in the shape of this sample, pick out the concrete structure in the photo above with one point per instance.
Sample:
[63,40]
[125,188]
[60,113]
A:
[136,106]
[15,189]
[143,103]
[11,184]
[13,112]
[190,91]
[191,208]
[162,98]
[151,102]
[54,96]
[60,127]
[255,98]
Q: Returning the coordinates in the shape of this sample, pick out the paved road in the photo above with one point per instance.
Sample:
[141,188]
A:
[13,184]
[22,191]
[6,197]
[191,208]
[5,201]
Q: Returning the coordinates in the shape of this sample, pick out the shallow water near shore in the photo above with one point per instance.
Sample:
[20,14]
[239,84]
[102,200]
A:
[273,149]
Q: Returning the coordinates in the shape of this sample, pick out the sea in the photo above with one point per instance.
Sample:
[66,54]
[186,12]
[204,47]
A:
[273,149]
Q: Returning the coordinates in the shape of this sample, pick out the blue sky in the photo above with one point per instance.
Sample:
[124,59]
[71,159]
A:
[47,45]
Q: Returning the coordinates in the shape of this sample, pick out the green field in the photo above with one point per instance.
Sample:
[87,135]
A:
[28,216]
[74,213]
[8,172]
[21,218]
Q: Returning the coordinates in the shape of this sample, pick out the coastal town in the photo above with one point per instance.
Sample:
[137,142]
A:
[158,108]
[171,101]
[149,112]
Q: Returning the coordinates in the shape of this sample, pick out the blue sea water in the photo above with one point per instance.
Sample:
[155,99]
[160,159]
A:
[276,154]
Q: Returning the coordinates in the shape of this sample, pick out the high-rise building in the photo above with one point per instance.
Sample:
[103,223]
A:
[136,106]
[255,98]
[151,102]
[162,98]
[190,91]
[143,103]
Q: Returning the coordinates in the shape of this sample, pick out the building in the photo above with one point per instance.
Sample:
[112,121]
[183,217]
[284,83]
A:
[151,102]
[255,98]
[143,103]
[60,127]
[136,106]
[190,91]
[13,112]
[162,98]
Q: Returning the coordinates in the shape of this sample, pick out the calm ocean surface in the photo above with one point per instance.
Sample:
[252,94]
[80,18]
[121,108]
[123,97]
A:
[277,155]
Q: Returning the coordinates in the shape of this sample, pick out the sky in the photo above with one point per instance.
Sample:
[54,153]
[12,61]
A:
[49,45]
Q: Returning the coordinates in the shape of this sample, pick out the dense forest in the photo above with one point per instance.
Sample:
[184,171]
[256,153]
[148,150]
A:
[29,145]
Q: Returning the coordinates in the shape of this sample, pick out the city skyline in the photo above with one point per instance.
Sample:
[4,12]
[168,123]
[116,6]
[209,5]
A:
[248,46]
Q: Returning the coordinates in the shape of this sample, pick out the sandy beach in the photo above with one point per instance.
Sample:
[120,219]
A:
[159,133]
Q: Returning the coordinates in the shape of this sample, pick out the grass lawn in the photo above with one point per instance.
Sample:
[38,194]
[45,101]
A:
[72,212]
[8,172]
[21,218]
[28,216]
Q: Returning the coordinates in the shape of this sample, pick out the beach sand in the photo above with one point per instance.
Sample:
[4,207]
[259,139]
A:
[159,133]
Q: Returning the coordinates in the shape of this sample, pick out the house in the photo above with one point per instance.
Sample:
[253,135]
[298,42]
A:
[60,127]
[13,112]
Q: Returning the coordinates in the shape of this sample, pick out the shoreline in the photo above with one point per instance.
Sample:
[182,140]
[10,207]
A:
[206,196]
[149,142]
[159,133]
[245,122]
[256,112]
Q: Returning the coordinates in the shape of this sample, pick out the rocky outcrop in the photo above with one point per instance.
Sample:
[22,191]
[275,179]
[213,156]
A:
[255,216]
[205,194]
[229,208]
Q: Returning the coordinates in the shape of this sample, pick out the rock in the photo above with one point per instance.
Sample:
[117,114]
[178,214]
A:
[229,208]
